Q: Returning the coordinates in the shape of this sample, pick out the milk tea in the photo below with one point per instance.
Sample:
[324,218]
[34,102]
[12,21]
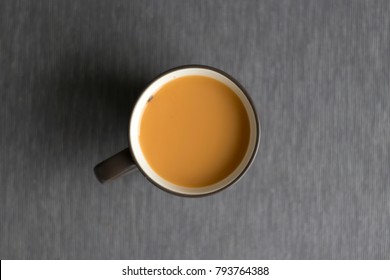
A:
[194,131]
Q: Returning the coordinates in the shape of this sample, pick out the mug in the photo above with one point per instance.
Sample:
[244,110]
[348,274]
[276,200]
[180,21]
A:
[132,157]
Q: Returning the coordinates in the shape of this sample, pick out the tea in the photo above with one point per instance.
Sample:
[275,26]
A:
[194,131]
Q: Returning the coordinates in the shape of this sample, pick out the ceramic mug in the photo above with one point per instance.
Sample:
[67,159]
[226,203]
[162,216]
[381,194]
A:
[132,157]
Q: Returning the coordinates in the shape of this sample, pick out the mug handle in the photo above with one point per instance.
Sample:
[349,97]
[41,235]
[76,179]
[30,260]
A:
[115,166]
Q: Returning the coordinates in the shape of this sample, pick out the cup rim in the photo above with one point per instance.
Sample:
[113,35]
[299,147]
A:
[257,122]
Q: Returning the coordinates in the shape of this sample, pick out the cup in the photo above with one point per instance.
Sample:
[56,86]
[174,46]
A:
[133,158]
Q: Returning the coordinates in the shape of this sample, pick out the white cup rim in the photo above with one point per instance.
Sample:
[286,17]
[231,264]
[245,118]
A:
[134,115]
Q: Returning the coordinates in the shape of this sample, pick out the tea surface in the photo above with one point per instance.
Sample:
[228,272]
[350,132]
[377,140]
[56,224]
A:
[194,131]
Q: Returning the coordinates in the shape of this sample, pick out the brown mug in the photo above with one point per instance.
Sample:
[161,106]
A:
[133,157]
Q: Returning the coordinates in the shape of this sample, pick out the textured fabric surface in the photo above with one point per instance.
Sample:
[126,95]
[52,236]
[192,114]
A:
[318,72]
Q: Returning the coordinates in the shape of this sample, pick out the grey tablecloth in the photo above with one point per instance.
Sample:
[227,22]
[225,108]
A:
[318,72]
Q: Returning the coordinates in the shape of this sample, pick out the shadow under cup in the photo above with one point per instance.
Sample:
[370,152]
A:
[124,161]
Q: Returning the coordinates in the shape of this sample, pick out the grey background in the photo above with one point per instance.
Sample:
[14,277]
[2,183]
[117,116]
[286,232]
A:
[318,72]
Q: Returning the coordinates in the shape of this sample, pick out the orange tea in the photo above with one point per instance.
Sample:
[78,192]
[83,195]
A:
[194,131]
